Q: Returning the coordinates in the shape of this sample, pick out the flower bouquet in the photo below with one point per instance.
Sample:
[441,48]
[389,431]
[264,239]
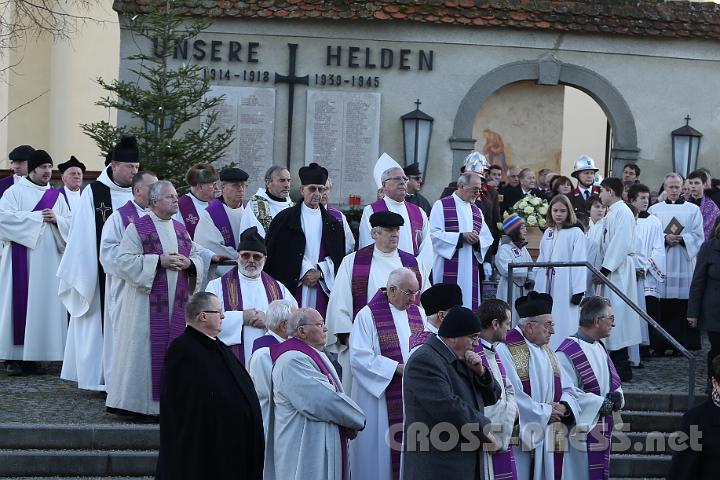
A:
[532,209]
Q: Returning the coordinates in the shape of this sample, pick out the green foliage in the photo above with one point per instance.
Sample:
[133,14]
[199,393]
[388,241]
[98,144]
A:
[162,99]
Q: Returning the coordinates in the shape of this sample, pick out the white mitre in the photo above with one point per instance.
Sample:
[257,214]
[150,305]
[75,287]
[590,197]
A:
[383,164]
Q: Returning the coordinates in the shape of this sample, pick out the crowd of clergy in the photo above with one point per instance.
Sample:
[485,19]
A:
[273,344]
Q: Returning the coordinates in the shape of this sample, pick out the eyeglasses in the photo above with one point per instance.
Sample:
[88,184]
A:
[319,324]
[219,312]
[402,179]
[545,325]
[609,317]
[409,293]
[474,337]
[255,256]
[315,188]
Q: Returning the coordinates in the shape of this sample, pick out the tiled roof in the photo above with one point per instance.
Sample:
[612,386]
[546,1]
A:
[642,18]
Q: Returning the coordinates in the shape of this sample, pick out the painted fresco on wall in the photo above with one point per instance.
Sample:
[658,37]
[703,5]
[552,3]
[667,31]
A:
[494,148]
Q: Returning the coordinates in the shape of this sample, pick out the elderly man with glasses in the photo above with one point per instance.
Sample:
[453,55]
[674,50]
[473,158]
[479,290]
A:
[379,347]
[245,293]
[543,396]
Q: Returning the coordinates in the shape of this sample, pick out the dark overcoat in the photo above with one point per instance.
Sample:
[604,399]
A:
[210,420]
[694,463]
[704,301]
[285,242]
[438,388]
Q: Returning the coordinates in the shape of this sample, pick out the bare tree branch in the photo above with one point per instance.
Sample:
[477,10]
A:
[22,105]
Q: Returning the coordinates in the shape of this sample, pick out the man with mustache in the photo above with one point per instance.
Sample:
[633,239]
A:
[268,201]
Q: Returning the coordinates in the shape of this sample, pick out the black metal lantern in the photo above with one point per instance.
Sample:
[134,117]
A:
[417,130]
[685,148]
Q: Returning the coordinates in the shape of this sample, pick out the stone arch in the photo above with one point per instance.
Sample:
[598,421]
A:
[547,70]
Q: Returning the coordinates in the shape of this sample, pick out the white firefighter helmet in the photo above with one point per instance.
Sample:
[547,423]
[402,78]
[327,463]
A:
[582,163]
[476,162]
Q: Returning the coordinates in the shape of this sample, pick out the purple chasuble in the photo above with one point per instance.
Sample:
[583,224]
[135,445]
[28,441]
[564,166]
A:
[20,274]
[163,327]
[416,221]
[710,212]
[598,440]
[361,274]
[450,266]
[390,348]
[189,213]
[6,183]
[233,301]
[216,210]
[128,213]
[264,341]
[295,345]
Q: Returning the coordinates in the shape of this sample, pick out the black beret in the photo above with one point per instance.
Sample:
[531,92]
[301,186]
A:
[251,241]
[37,158]
[441,296]
[386,219]
[233,175]
[412,169]
[458,322]
[313,174]
[21,153]
[534,304]
[73,162]
[126,150]
[315,165]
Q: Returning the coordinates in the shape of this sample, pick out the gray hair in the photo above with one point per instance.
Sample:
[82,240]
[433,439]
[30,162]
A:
[297,319]
[277,312]
[673,175]
[522,322]
[386,174]
[464,178]
[592,308]
[271,171]
[197,304]
[524,172]
[155,192]
[397,276]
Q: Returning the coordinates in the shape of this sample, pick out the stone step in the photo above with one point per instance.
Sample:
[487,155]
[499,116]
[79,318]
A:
[79,437]
[641,443]
[660,402]
[648,421]
[639,466]
[87,463]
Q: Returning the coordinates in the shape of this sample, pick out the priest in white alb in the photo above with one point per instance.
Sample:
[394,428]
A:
[34,223]
[415,231]
[245,293]
[682,225]
[72,177]
[155,257]
[313,417]
[379,348]
[544,401]
[269,201]
[360,276]
[82,281]
[460,239]
[201,178]
[112,234]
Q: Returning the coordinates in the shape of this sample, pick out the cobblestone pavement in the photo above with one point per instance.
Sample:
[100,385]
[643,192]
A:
[48,399]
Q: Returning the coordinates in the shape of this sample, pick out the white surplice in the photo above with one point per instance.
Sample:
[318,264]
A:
[445,245]
[312,227]
[503,413]
[261,204]
[349,237]
[260,369]
[46,318]
[80,291]
[650,256]
[234,330]
[566,245]
[425,255]
[339,318]
[208,235]
[575,461]
[16,179]
[308,413]
[371,375]
[73,199]
[617,250]
[508,253]
[594,239]
[112,234]
[534,411]
[680,259]
[130,387]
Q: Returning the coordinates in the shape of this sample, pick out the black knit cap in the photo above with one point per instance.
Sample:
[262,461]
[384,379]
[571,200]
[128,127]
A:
[412,169]
[386,219]
[73,162]
[233,175]
[251,241]
[313,174]
[37,158]
[21,153]
[534,304]
[458,322]
[126,150]
[441,296]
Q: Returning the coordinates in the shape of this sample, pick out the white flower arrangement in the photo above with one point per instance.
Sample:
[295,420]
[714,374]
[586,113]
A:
[532,209]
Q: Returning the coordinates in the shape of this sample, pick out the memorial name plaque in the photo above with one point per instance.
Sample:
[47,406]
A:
[252,112]
[343,135]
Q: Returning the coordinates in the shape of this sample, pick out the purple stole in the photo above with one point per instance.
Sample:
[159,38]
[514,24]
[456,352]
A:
[232,298]
[216,210]
[416,221]
[710,213]
[450,266]
[520,353]
[20,274]
[295,345]
[163,328]
[321,298]
[361,274]
[337,214]
[598,452]
[6,183]
[390,348]
[264,341]
[189,213]
[419,338]
[128,213]
[503,462]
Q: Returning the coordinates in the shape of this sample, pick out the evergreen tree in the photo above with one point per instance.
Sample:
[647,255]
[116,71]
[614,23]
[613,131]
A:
[162,101]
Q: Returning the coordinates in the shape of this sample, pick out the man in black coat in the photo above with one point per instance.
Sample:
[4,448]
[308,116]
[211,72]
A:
[300,238]
[210,421]
[446,386]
